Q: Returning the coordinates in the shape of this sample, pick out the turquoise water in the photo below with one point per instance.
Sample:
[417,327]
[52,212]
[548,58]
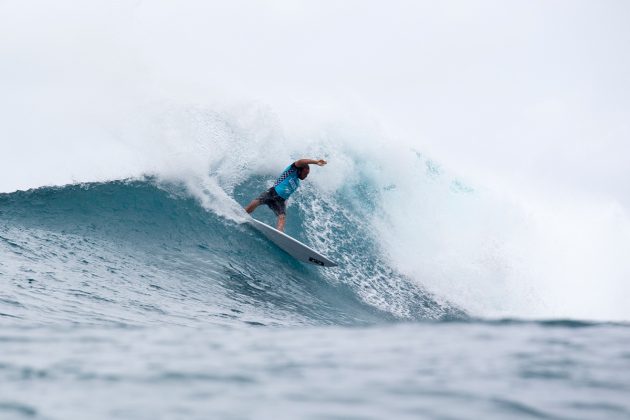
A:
[128,299]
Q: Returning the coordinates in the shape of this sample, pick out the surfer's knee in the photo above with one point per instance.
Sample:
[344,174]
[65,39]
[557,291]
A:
[252,206]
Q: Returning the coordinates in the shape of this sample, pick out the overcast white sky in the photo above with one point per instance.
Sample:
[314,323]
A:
[524,94]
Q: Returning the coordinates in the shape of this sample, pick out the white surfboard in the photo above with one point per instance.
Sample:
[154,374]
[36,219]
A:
[291,246]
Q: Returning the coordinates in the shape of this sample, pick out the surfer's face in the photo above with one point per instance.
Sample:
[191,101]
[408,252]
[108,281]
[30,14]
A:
[304,172]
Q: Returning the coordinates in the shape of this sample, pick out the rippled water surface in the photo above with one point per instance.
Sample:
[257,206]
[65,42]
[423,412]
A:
[426,370]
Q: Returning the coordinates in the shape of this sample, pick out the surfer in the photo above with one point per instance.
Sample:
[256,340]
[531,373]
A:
[286,184]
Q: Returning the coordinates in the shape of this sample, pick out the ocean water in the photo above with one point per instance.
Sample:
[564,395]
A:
[133,299]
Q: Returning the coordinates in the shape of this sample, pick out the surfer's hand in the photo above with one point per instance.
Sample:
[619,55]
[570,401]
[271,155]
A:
[321,162]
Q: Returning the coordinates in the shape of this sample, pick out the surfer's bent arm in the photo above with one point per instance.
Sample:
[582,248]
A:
[305,162]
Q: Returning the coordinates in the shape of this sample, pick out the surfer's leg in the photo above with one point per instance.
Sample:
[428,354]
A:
[280,208]
[282,218]
[252,206]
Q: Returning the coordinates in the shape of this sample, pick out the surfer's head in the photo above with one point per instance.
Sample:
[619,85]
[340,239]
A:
[303,172]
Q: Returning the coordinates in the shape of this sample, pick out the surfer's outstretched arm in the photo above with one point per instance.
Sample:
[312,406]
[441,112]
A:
[305,162]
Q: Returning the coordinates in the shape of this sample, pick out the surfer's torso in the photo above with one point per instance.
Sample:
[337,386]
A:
[287,182]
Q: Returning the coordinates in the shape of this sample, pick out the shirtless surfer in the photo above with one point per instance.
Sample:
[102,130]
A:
[286,184]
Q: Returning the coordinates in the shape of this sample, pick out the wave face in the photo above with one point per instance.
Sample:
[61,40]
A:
[414,240]
[143,251]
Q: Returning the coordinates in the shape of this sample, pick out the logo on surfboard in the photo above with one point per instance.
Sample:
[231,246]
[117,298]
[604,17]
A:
[315,261]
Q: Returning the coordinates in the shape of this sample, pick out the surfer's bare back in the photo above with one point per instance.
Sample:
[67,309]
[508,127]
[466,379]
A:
[286,184]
